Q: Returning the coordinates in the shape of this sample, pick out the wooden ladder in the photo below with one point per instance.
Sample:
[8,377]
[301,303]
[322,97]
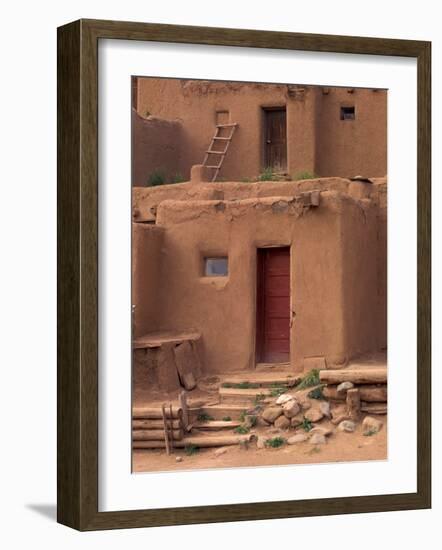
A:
[216,167]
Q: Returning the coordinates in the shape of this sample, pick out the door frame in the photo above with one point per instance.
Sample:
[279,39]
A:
[264,110]
[257,348]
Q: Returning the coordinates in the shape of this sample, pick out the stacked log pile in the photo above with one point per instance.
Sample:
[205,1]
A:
[364,389]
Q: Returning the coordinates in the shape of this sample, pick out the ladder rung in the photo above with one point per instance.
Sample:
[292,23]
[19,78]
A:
[216,167]
[222,138]
[226,125]
[216,152]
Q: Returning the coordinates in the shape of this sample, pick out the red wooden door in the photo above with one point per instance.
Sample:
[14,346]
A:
[273,305]
[275,139]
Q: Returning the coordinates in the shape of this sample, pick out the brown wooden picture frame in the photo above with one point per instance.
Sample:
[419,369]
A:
[77,226]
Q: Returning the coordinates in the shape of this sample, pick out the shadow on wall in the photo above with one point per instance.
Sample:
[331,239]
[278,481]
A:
[156,151]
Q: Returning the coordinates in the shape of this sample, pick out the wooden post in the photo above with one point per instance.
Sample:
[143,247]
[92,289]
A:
[171,429]
[353,404]
[183,406]
[166,434]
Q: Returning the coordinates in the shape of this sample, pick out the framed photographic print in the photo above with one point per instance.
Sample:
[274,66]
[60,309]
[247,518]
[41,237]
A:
[243,308]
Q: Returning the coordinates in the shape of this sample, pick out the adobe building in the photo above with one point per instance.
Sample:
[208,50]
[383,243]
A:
[266,272]
[230,274]
[291,129]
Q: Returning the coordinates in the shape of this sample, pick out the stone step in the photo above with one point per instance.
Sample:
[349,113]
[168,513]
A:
[229,395]
[261,379]
[220,411]
[212,425]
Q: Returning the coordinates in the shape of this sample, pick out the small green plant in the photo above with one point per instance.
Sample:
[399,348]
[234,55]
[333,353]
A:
[204,417]
[178,178]
[242,429]
[275,442]
[157,177]
[267,174]
[310,379]
[246,386]
[304,175]
[191,449]
[227,418]
[277,391]
[259,397]
[370,432]
[242,416]
[306,424]
[252,419]
[227,385]
[316,393]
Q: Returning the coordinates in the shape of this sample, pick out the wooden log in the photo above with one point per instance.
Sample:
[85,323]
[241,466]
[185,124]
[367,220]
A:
[361,375]
[155,412]
[374,408]
[197,440]
[152,424]
[169,426]
[166,435]
[155,435]
[185,364]
[353,404]
[183,404]
[217,424]
[368,393]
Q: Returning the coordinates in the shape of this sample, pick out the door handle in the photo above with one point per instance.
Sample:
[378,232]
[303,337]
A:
[292,317]
[269,141]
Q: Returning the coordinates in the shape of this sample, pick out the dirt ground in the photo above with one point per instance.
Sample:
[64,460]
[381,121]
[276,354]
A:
[340,447]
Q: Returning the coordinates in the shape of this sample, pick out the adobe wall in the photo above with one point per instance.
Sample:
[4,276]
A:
[223,309]
[352,147]
[156,146]
[317,140]
[147,243]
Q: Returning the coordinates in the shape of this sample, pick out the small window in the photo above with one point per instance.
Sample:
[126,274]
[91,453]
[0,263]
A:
[216,267]
[347,113]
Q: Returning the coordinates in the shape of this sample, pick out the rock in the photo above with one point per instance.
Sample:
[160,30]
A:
[261,442]
[270,414]
[324,407]
[306,404]
[344,386]
[260,422]
[178,459]
[221,451]
[296,421]
[291,408]
[321,431]
[284,398]
[347,426]
[314,414]
[318,439]
[371,426]
[297,438]
[282,422]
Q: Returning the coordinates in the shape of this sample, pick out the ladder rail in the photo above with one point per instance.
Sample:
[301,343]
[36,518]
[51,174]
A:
[232,126]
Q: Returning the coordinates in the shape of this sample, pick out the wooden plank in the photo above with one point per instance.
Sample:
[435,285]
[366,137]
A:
[152,424]
[223,410]
[374,408]
[367,392]
[362,375]
[185,364]
[217,424]
[197,440]
[156,435]
[264,379]
[155,412]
